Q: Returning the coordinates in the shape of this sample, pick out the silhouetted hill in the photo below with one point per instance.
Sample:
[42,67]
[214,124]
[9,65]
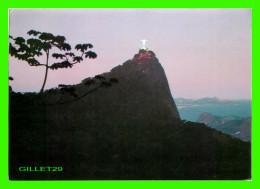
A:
[131,130]
[233,125]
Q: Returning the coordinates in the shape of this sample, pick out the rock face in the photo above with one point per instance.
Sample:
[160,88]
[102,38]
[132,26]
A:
[142,82]
[142,93]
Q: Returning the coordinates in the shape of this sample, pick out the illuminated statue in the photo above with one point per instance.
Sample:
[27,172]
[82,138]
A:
[144,47]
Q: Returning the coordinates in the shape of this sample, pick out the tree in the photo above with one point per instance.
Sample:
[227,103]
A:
[28,50]
[10,79]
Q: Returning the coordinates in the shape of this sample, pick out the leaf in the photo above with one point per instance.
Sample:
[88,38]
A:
[77,59]
[37,53]
[33,32]
[12,50]
[46,46]
[83,47]
[46,36]
[35,43]
[23,48]
[59,39]
[90,54]
[19,40]
[65,47]
[78,46]
[57,55]
[32,62]
[89,45]
[64,64]
[70,54]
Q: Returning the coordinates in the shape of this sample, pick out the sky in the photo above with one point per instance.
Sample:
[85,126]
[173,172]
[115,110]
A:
[204,52]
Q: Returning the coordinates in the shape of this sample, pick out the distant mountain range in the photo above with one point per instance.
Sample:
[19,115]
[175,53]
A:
[207,101]
[233,125]
[229,116]
[190,109]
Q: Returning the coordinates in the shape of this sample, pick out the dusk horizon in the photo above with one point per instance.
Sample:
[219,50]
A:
[204,52]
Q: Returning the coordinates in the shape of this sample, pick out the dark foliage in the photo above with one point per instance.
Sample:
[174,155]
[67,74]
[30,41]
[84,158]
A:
[64,64]
[89,82]
[99,149]
[113,80]
[42,43]
[10,79]
[70,90]
[100,77]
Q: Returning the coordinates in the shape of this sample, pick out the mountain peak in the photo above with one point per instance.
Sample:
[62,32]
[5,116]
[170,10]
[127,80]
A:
[143,56]
[144,77]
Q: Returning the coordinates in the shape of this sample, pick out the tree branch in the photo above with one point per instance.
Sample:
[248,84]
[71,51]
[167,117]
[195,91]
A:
[46,72]
[89,92]
[39,65]
[74,62]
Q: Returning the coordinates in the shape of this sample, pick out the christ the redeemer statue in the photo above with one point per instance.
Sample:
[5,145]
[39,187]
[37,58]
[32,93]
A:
[144,47]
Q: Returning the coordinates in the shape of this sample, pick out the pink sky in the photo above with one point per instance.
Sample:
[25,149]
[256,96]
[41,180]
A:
[204,52]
